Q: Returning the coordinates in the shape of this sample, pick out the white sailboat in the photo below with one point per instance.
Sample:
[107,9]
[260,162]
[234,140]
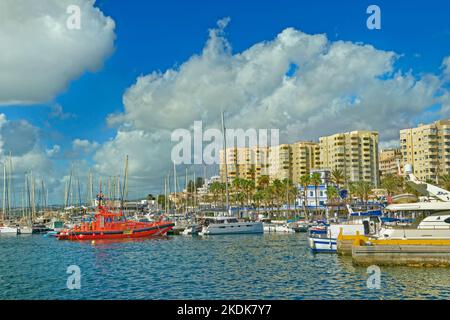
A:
[226,223]
[6,228]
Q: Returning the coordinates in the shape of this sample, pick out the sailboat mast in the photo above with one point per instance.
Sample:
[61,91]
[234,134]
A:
[175,185]
[195,193]
[226,165]
[4,191]
[187,193]
[125,184]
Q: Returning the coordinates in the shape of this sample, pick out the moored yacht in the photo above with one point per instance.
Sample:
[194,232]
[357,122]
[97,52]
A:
[324,238]
[8,230]
[434,227]
[277,228]
[229,225]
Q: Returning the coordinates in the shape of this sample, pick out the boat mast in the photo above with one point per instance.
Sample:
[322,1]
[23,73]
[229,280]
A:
[68,187]
[9,181]
[195,194]
[187,192]
[4,190]
[125,184]
[175,186]
[168,192]
[226,166]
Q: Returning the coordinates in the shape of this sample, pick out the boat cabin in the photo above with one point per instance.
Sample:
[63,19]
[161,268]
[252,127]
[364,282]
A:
[220,220]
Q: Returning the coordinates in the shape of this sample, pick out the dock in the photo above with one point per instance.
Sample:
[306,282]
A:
[402,255]
[400,252]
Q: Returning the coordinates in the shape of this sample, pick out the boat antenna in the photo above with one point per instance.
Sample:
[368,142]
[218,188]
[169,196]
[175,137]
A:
[225,158]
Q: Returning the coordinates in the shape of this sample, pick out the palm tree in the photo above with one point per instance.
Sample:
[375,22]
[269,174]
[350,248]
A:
[363,190]
[269,198]
[444,181]
[305,180]
[332,195]
[316,181]
[215,189]
[338,177]
[278,189]
[289,190]
[258,197]
[249,187]
[263,182]
[390,183]
[236,186]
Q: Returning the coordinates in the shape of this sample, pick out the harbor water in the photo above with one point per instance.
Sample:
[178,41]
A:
[266,266]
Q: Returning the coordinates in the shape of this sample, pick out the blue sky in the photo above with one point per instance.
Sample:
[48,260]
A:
[156,36]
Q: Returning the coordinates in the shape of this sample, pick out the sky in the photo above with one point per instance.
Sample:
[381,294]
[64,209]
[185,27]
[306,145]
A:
[137,70]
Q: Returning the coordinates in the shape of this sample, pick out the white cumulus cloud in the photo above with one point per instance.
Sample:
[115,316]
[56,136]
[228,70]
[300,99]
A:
[40,55]
[305,85]
[84,145]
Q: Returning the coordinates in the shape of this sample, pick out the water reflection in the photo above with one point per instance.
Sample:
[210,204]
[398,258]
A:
[273,266]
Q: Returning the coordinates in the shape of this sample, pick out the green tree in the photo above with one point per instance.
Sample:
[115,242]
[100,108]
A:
[216,189]
[263,182]
[278,189]
[305,181]
[258,197]
[338,177]
[332,196]
[162,201]
[363,190]
[444,181]
[390,183]
[199,182]
[316,181]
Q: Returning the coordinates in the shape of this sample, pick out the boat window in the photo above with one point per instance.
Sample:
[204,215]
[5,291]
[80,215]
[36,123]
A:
[447,220]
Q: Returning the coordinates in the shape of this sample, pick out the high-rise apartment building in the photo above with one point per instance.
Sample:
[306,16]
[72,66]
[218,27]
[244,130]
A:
[285,161]
[305,157]
[390,160]
[245,163]
[427,149]
[355,153]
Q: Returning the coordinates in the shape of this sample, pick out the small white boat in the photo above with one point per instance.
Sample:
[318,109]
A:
[192,229]
[277,228]
[324,238]
[319,240]
[230,225]
[8,230]
[25,230]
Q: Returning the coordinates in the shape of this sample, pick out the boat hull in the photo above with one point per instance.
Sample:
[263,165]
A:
[158,230]
[271,228]
[233,228]
[322,244]
[8,230]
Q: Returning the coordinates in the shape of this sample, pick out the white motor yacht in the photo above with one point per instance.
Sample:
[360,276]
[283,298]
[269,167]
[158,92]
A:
[277,228]
[435,226]
[8,230]
[229,225]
